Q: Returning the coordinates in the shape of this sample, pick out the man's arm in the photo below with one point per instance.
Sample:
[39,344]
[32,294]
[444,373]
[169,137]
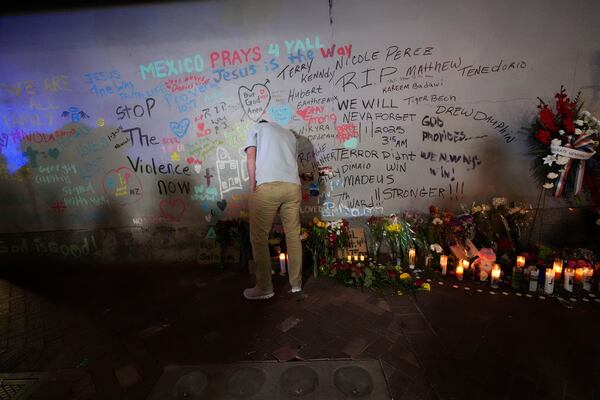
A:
[251,165]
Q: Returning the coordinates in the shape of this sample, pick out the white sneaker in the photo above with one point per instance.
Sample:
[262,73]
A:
[254,293]
[296,289]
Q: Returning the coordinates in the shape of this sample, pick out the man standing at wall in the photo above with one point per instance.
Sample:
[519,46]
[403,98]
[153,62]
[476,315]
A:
[274,187]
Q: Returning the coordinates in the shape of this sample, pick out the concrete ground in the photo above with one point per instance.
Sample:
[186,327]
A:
[108,333]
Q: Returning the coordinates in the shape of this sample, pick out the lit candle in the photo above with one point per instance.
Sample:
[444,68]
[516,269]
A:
[444,264]
[549,282]
[356,257]
[495,278]
[568,281]
[412,257]
[282,263]
[579,276]
[465,263]
[557,267]
[588,274]
[533,279]
[349,258]
[520,261]
[459,272]
[362,258]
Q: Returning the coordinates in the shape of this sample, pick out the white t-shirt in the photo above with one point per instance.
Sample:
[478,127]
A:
[275,153]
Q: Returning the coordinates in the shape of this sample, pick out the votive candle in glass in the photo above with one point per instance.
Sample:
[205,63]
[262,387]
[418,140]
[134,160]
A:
[569,278]
[459,272]
[349,258]
[517,277]
[356,257]
[549,281]
[579,276]
[588,274]
[362,258]
[495,276]
[465,263]
[444,264]
[412,257]
[520,261]
[533,279]
[282,263]
[557,266]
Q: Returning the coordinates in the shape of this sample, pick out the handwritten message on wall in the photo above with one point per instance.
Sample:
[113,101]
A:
[389,116]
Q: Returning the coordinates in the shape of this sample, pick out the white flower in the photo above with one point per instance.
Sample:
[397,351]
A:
[552,175]
[548,185]
[436,248]
[578,131]
[595,120]
[499,201]
[579,122]
[562,160]
[562,132]
[555,142]
[586,113]
[514,210]
[437,221]
[485,207]
[550,159]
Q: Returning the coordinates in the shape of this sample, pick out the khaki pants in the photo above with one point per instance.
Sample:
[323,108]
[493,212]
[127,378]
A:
[269,198]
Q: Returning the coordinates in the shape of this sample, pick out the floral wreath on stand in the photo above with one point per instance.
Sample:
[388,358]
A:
[562,141]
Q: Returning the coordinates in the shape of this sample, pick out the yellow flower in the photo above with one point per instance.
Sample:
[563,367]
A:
[426,286]
[405,276]
[393,228]
[315,220]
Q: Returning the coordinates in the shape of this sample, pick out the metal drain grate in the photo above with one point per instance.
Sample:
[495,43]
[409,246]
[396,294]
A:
[17,386]
[322,379]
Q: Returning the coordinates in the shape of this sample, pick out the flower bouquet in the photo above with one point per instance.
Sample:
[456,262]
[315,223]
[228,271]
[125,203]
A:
[325,240]
[484,231]
[376,225]
[418,225]
[400,237]
[561,142]
[437,225]
[519,218]
[393,234]
[460,229]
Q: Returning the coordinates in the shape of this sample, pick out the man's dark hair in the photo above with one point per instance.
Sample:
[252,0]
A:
[263,121]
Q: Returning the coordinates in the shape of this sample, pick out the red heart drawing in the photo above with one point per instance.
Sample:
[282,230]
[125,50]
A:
[201,131]
[172,209]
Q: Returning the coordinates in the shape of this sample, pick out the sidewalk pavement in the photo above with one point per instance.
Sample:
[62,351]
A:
[108,333]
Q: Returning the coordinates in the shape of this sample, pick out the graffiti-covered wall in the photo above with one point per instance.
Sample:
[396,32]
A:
[121,129]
